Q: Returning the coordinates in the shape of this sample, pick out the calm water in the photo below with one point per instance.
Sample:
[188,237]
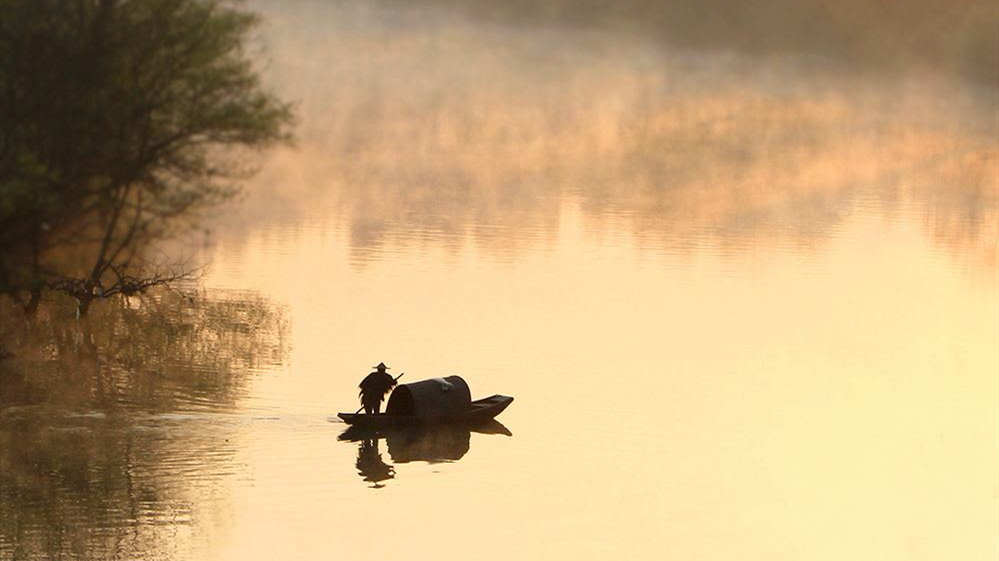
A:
[748,308]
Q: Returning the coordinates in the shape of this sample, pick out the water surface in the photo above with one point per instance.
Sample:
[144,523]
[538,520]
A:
[747,305]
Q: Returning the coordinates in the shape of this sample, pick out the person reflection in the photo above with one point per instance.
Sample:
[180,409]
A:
[370,466]
[431,444]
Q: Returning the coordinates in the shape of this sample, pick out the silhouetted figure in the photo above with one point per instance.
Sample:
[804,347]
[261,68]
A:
[374,386]
[370,466]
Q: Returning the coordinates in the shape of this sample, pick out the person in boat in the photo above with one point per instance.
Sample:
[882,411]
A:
[374,386]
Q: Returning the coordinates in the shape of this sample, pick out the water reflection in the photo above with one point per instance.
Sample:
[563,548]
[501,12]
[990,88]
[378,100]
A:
[780,399]
[167,351]
[370,465]
[116,430]
[96,487]
[449,131]
[432,444]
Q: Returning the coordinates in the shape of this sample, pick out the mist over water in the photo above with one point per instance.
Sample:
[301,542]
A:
[737,266]
[427,121]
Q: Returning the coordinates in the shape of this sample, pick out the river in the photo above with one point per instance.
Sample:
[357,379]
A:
[746,304]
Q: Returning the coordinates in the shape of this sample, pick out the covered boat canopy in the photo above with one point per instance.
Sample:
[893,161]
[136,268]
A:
[433,398]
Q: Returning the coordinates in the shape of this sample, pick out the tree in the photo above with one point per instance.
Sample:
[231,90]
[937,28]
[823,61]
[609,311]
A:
[121,123]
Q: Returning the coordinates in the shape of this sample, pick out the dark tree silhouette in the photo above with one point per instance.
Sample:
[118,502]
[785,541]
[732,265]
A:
[121,122]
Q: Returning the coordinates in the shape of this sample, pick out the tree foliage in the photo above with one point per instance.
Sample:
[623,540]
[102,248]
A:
[121,121]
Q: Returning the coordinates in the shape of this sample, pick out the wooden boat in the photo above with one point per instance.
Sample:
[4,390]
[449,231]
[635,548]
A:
[478,411]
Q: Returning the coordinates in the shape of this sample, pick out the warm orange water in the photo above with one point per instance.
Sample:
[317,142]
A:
[748,309]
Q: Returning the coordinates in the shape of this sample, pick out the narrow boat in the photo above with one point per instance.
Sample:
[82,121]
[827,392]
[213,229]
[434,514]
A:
[479,411]
[434,401]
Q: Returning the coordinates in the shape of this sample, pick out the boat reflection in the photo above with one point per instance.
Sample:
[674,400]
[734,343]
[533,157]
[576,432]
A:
[433,444]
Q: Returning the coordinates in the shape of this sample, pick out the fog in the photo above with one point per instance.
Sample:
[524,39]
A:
[958,37]
[431,123]
[736,263]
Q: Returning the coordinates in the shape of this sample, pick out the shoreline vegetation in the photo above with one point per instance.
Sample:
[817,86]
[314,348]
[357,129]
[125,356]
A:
[958,37]
[478,126]
[124,123]
[177,348]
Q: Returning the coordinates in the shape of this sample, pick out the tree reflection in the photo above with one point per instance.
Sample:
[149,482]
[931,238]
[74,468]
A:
[163,351]
[432,444]
[113,429]
[91,488]
[460,132]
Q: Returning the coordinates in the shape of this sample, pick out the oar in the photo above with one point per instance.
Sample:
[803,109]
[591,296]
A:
[396,379]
